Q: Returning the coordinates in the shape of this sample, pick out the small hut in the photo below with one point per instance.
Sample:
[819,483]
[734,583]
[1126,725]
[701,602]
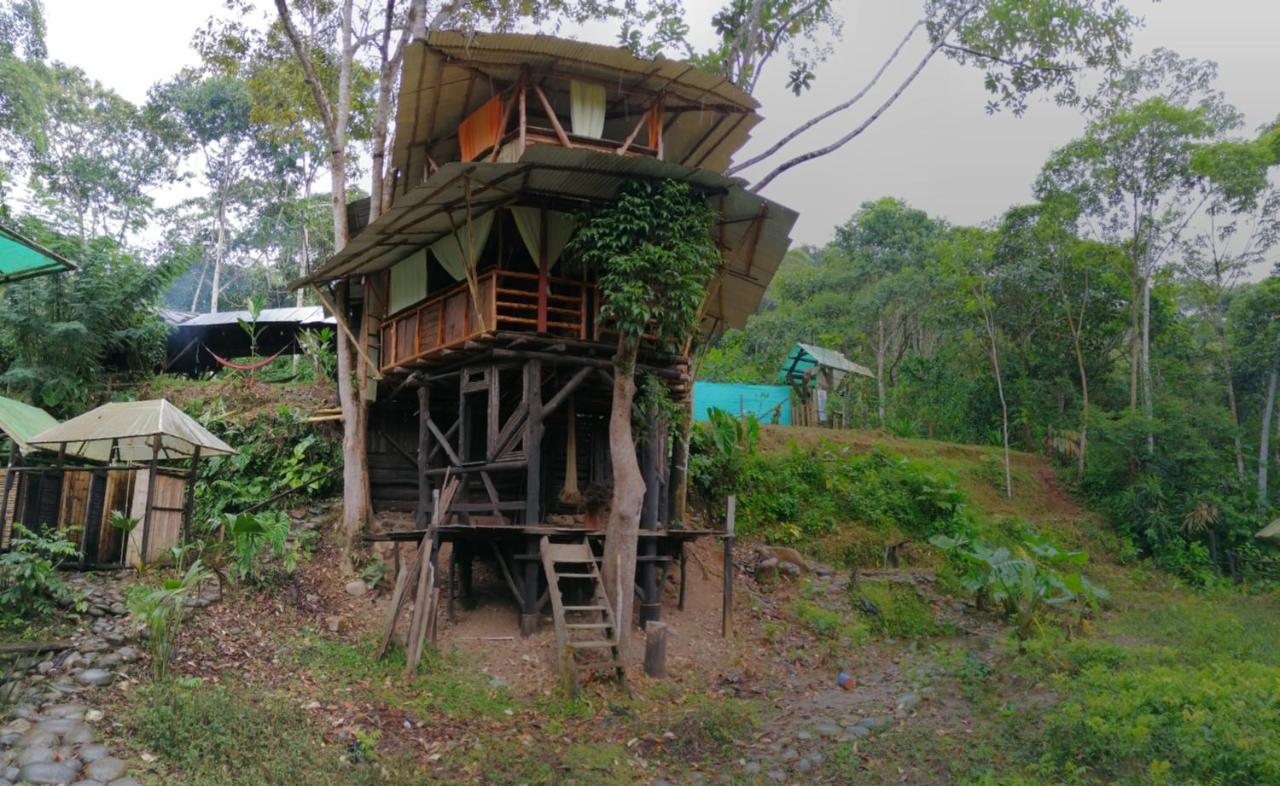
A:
[815,374]
[117,479]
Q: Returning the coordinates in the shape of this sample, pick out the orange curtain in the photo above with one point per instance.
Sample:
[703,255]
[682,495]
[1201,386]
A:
[481,130]
[655,126]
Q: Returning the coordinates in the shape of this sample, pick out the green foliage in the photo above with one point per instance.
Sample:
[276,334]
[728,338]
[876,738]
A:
[654,252]
[30,587]
[718,450]
[233,735]
[1217,723]
[250,534]
[808,493]
[899,610]
[1024,580]
[162,609]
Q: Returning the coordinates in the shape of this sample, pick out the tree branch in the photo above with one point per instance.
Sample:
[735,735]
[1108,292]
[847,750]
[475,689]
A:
[1014,63]
[805,126]
[309,70]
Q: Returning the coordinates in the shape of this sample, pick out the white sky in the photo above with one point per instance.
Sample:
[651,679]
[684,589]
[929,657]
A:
[937,148]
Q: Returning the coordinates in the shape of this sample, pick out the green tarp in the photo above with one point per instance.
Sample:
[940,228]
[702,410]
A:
[22,258]
[20,422]
[804,357]
[769,403]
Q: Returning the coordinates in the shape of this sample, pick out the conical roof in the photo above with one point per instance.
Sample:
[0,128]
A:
[140,430]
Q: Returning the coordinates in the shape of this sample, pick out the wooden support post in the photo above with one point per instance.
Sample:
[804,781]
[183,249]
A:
[151,495]
[494,424]
[4,498]
[683,557]
[424,455]
[529,592]
[533,443]
[651,603]
[655,649]
[726,615]
[189,504]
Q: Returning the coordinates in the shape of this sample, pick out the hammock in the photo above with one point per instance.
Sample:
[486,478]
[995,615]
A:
[254,366]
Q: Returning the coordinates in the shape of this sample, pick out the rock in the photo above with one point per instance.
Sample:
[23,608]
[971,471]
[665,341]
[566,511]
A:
[804,765]
[790,568]
[115,638]
[872,723]
[497,682]
[47,772]
[128,654]
[96,677]
[73,711]
[93,751]
[785,554]
[17,726]
[357,588]
[907,702]
[105,770]
[87,783]
[124,782]
[34,754]
[119,609]
[857,732]
[777,776]
[79,736]
[335,623]
[767,569]
[827,728]
[108,661]
[94,645]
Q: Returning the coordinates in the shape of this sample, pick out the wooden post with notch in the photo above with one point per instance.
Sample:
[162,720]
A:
[726,615]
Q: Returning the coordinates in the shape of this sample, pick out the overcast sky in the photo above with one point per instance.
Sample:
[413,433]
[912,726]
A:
[936,147]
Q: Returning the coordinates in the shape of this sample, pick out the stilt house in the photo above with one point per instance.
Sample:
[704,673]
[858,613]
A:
[487,361]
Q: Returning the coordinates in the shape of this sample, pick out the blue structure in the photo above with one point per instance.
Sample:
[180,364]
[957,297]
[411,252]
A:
[769,403]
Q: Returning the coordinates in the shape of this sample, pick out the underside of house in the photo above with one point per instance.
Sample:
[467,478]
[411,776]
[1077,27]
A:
[486,358]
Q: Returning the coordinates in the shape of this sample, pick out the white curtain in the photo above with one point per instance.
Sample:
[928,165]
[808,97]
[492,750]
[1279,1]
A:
[586,108]
[559,230]
[408,282]
[453,251]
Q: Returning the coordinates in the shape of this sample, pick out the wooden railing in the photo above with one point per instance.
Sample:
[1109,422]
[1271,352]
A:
[508,300]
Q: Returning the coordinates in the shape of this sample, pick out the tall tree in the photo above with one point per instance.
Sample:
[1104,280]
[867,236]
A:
[654,253]
[1131,172]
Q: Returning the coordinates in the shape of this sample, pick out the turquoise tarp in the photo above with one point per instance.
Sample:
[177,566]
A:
[769,403]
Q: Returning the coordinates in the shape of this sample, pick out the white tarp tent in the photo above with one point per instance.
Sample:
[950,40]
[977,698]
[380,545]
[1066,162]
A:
[138,431]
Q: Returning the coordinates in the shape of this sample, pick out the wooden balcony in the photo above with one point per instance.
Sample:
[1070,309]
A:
[507,300]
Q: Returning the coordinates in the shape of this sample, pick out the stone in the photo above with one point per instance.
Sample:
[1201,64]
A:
[33,754]
[857,732]
[78,736]
[777,776]
[47,772]
[87,783]
[128,654]
[908,701]
[497,682]
[73,711]
[93,751]
[785,554]
[106,769]
[17,726]
[115,638]
[789,568]
[119,609]
[872,723]
[96,677]
[357,588]
[108,661]
[335,623]
[767,569]
[94,645]
[827,728]
[804,765]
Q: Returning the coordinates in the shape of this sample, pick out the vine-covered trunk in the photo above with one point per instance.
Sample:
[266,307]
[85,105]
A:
[1231,399]
[623,529]
[1146,363]
[880,353]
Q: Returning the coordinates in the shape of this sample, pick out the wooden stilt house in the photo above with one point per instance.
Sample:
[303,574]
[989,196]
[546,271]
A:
[487,360]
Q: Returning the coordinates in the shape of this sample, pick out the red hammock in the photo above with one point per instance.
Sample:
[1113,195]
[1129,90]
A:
[245,366]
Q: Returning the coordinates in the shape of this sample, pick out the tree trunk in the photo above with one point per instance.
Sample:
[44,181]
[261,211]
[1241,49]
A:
[219,251]
[1135,359]
[880,352]
[680,455]
[355,499]
[623,528]
[1264,439]
[1231,399]
[1084,408]
[989,322]
[1146,362]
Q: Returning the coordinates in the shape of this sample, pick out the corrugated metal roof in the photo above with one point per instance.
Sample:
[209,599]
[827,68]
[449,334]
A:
[754,231]
[20,422]
[451,74]
[133,427]
[302,316]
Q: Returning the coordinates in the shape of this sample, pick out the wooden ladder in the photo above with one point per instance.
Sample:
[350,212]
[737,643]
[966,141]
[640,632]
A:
[584,633]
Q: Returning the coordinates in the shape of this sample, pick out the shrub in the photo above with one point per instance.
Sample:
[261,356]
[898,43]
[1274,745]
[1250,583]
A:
[898,609]
[162,609]
[1219,723]
[29,579]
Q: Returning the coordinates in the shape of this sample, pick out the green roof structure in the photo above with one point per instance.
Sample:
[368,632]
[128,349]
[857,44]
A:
[20,422]
[803,358]
[23,258]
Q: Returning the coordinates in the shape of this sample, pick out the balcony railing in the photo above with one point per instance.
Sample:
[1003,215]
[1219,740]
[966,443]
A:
[507,300]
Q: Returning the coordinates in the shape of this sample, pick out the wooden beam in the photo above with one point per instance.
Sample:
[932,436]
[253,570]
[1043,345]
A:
[444,443]
[533,442]
[551,114]
[341,319]
[559,398]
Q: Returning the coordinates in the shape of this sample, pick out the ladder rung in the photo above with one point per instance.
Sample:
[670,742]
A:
[592,645]
[586,608]
[563,575]
[588,625]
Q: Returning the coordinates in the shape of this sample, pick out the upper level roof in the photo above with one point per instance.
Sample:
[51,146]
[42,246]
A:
[706,118]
